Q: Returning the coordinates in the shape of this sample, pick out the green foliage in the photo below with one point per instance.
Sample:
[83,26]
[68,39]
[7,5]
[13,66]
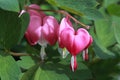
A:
[82,72]
[102,51]
[107,3]
[9,70]
[85,8]
[12,28]
[103,27]
[113,9]
[26,62]
[44,72]
[24,23]
[116,24]
[10,5]
[29,75]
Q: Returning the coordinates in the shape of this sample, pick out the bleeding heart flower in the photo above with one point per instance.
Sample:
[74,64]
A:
[74,41]
[42,29]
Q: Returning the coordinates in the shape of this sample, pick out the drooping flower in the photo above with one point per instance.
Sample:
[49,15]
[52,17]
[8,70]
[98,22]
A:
[42,29]
[74,41]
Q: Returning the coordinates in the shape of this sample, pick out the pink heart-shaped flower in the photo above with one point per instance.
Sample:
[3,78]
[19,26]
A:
[75,41]
[42,29]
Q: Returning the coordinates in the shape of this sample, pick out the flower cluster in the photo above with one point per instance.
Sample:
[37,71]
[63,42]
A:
[45,30]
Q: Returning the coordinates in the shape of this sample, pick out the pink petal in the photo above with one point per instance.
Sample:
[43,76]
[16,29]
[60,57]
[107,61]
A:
[49,29]
[81,40]
[35,22]
[67,38]
[90,42]
[65,23]
[33,31]
[35,12]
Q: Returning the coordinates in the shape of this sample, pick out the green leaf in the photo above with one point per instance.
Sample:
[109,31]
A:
[29,75]
[116,49]
[105,69]
[22,3]
[106,3]
[12,28]
[102,51]
[104,32]
[26,62]
[44,72]
[114,9]
[32,50]
[9,70]
[9,5]
[116,26]
[48,72]
[92,14]
[85,8]
[116,77]
[25,18]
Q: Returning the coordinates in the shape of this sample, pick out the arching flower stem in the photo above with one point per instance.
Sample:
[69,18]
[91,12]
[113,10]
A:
[62,12]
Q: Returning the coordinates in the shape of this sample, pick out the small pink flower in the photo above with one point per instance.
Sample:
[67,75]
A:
[74,41]
[42,29]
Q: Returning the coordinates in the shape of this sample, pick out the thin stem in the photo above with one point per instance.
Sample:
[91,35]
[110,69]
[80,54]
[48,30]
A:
[62,12]
[19,54]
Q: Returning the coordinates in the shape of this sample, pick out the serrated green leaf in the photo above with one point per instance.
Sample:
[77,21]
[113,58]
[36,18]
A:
[9,70]
[10,5]
[26,62]
[12,28]
[85,8]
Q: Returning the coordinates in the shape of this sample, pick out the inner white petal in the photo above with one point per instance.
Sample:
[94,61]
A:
[72,63]
[42,53]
